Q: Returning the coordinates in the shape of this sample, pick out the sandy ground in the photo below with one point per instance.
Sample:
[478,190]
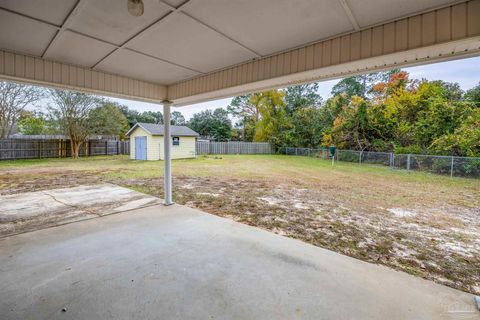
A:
[408,226]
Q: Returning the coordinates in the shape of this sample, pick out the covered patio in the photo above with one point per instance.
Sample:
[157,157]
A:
[175,262]
[179,263]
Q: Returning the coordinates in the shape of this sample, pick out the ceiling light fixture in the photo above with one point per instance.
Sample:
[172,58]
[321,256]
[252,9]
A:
[135,7]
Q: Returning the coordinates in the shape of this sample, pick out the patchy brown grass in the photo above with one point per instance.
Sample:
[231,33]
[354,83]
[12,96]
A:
[425,225]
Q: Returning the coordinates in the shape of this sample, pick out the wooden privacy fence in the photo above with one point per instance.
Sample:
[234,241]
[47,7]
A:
[12,149]
[233,147]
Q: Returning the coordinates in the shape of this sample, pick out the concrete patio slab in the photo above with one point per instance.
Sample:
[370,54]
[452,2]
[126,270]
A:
[179,263]
[35,210]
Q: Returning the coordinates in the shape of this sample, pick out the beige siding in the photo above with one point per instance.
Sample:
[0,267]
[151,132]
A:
[186,149]
[15,66]
[153,147]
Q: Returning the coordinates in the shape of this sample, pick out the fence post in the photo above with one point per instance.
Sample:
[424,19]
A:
[118,147]
[106,147]
[451,168]
[408,162]
[360,157]
[392,160]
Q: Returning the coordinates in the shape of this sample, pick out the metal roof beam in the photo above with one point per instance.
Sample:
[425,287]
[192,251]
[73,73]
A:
[350,15]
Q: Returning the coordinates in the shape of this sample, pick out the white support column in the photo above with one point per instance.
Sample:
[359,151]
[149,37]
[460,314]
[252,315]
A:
[167,159]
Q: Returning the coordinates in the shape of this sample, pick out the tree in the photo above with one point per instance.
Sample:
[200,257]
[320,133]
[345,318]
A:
[465,141]
[151,117]
[450,90]
[302,96]
[473,95]
[350,128]
[273,122]
[306,128]
[72,112]
[201,123]
[214,125]
[133,116]
[244,106]
[350,87]
[14,98]
[361,85]
[221,128]
[327,115]
[302,105]
[246,110]
[177,118]
[107,120]
[32,125]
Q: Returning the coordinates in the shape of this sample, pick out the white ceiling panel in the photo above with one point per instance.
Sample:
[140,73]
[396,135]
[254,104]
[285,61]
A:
[24,35]
[186,42]
[77,49]
[53,11]
[128,63]
[269,26]
[118,25]
[369,12]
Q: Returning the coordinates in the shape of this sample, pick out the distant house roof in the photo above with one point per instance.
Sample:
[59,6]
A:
[157,129]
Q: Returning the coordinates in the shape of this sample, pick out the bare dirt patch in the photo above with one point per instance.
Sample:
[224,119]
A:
[26,180]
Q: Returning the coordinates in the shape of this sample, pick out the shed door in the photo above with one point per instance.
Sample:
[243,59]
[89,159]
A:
[140,148]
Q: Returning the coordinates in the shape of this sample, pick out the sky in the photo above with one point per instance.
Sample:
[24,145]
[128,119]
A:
[464,71]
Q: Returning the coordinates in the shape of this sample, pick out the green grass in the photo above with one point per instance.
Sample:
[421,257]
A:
[240,166]
[356,182]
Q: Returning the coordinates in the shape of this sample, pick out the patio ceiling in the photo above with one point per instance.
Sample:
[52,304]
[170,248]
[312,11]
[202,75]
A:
[175,43]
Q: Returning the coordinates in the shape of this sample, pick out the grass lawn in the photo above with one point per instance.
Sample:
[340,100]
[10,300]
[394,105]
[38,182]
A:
[424,224]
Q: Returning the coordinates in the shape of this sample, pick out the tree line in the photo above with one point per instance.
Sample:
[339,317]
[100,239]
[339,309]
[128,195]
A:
[385,111]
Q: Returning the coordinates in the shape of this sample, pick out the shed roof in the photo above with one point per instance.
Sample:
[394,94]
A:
[157,129]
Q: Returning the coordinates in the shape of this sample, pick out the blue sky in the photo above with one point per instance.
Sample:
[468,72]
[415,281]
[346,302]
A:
[465,71]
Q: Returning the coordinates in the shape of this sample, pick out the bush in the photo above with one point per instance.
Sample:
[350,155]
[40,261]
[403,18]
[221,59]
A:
[413,149]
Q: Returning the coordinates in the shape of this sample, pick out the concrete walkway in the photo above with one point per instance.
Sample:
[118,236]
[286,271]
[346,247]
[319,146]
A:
[179,263]
[30,211]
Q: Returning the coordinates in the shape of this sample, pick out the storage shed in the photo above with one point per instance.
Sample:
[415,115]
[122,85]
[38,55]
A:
[146,142]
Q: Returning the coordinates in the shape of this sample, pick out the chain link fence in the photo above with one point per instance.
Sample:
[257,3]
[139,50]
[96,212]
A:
[468,167]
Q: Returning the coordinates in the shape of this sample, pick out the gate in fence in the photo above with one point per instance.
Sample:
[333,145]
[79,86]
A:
[448,165]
